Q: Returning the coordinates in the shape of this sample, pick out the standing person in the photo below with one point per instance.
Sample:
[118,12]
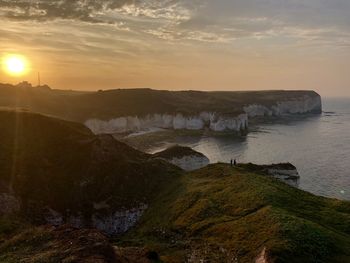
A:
[235,162]
[231,162]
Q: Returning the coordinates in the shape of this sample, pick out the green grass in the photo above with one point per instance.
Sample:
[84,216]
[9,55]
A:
[225,212]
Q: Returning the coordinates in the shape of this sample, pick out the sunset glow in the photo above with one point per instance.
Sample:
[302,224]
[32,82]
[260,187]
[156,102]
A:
[177,45]
[15,65]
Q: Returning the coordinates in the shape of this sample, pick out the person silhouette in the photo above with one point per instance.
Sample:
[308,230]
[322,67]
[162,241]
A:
[235,162]
[231,162]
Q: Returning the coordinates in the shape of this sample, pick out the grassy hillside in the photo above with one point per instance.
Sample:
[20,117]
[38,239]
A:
[225,214]
[52,163]
[21,242]
[80,106]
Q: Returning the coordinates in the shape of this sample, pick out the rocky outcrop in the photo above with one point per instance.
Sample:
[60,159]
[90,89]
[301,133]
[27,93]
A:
[210,120]
[118,222]
[184,157]
[111,223]
[285,172]
[190,163]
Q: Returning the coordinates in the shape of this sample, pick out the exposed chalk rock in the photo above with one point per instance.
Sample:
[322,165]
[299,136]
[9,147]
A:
[114,223]
[118,222]
[232,124]
[184,157]
[212,120]
[258,111]
[263,257]
[178,121]
[285,172]
[303,105]
[190,163]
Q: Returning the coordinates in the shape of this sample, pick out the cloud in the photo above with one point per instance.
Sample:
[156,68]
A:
[83,10]
[94,11]
[222,21]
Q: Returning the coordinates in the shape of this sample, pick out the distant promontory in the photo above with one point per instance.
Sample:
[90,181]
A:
[133,110]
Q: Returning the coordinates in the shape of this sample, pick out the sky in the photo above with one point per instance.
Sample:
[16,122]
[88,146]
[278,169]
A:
[180,44]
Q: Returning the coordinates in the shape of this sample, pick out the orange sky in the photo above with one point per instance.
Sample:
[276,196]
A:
[181,44]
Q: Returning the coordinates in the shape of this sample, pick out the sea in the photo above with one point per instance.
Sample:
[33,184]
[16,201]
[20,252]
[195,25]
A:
[319,146]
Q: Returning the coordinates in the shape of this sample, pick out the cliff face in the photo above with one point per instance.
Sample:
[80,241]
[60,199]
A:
[130,110]
[303,105]
[215,121]
[109,220]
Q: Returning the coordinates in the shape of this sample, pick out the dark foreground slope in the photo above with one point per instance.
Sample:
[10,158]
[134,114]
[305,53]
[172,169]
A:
[105,105]
[54,165]
[56,244]
[224,214]
[216,214]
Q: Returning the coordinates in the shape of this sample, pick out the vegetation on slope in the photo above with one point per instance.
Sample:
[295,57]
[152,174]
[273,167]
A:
[53,244]
[47,162]
[80,106]
[219,213]
[225,214]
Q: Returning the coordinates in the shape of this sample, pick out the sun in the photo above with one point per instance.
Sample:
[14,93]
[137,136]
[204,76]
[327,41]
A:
[15,65]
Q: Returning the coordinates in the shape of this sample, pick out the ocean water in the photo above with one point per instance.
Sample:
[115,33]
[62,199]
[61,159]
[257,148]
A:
[319,146]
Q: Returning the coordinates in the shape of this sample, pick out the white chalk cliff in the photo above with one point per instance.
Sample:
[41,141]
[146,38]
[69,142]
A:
[178,121]
[306,104]
[210,120]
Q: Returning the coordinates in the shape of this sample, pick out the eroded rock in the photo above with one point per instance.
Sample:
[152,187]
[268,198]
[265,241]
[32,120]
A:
[184,157]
